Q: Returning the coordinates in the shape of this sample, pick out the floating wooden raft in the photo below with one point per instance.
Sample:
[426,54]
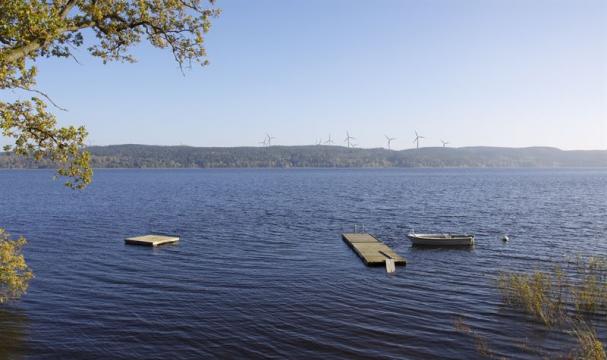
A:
[151,240]
[372,251]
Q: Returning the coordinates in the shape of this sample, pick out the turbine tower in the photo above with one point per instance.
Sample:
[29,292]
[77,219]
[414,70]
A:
[329,141]
[348,138]
[269,139]
[389,140]
[418,137]
[445,143]
[263,143]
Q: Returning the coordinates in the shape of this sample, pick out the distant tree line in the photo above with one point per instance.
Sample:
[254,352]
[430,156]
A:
[147,156]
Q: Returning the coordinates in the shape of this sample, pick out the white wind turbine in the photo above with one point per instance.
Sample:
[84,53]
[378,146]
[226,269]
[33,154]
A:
[418,137]
[389,140]
[348,138]
[269,139]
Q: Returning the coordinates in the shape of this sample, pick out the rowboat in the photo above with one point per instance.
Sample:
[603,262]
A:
[441,239]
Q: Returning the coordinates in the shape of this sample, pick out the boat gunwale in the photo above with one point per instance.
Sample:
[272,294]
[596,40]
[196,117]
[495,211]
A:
[440,237]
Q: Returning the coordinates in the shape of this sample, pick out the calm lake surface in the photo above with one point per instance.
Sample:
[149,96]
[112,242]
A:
[261,270]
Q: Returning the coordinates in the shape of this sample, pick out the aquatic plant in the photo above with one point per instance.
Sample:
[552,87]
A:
[539,294]
[481,343]
[548,295]
[589,345]
[590,292]
[568,296]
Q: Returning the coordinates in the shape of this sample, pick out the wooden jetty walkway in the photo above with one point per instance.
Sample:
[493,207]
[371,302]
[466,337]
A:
[372,251]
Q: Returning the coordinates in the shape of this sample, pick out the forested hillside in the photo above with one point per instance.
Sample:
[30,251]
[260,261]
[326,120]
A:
[147,156]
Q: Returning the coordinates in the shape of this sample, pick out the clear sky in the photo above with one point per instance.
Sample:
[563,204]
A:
[483,72]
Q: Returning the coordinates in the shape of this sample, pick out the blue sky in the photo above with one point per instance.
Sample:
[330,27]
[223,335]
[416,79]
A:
[485,72]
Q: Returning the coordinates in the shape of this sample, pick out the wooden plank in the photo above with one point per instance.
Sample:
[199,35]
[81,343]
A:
[359,238]
[151,240]
[372,251]
[390,268]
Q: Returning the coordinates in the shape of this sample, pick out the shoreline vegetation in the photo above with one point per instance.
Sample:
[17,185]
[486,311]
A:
[322,156]
[15,274]
[570,297]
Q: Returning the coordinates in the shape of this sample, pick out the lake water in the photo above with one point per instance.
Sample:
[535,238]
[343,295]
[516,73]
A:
[261,270]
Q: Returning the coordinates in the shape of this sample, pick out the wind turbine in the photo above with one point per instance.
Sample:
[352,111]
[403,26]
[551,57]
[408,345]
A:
[319,142]
[269,139]
[417,138]
[445,143]
[389,140]
[329,141]
[348,138]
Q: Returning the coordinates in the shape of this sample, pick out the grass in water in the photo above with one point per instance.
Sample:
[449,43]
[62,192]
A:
[589,345]
[590,293]
[547,295]
[539,294]
[480,343]
[566,297]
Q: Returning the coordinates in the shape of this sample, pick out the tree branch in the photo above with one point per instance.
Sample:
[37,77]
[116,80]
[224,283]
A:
[66,9]
[42,94]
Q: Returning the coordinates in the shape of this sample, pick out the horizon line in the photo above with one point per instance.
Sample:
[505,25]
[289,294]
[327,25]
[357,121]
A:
[346,147]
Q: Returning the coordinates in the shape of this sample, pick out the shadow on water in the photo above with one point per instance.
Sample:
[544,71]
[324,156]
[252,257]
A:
[13,330]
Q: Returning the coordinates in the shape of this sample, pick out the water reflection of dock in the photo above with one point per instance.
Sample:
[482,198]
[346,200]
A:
[372,251]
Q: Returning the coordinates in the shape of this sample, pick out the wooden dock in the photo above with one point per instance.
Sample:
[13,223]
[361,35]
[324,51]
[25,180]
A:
[151,240]
[372,251]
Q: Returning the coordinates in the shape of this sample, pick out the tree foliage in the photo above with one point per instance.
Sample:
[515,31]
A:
[33,29]
[14,272]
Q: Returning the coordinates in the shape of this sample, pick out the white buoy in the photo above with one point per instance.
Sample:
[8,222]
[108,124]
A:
[505,238]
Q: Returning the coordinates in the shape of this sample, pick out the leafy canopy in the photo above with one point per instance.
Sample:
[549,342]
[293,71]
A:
[31,29]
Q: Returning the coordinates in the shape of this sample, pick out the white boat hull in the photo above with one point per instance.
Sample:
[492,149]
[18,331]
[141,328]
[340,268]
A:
[441,239]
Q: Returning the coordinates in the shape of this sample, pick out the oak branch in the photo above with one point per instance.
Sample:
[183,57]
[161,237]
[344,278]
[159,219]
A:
[31,29]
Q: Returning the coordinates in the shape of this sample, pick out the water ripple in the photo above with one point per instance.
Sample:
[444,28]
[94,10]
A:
[261,271]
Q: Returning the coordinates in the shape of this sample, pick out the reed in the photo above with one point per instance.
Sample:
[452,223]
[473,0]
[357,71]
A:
[590,292]
[539,294]
[568,296]
[589,345]
[481,344]
[548,295]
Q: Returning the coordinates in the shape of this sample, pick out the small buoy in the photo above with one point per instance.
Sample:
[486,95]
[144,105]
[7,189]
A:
[505,238]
